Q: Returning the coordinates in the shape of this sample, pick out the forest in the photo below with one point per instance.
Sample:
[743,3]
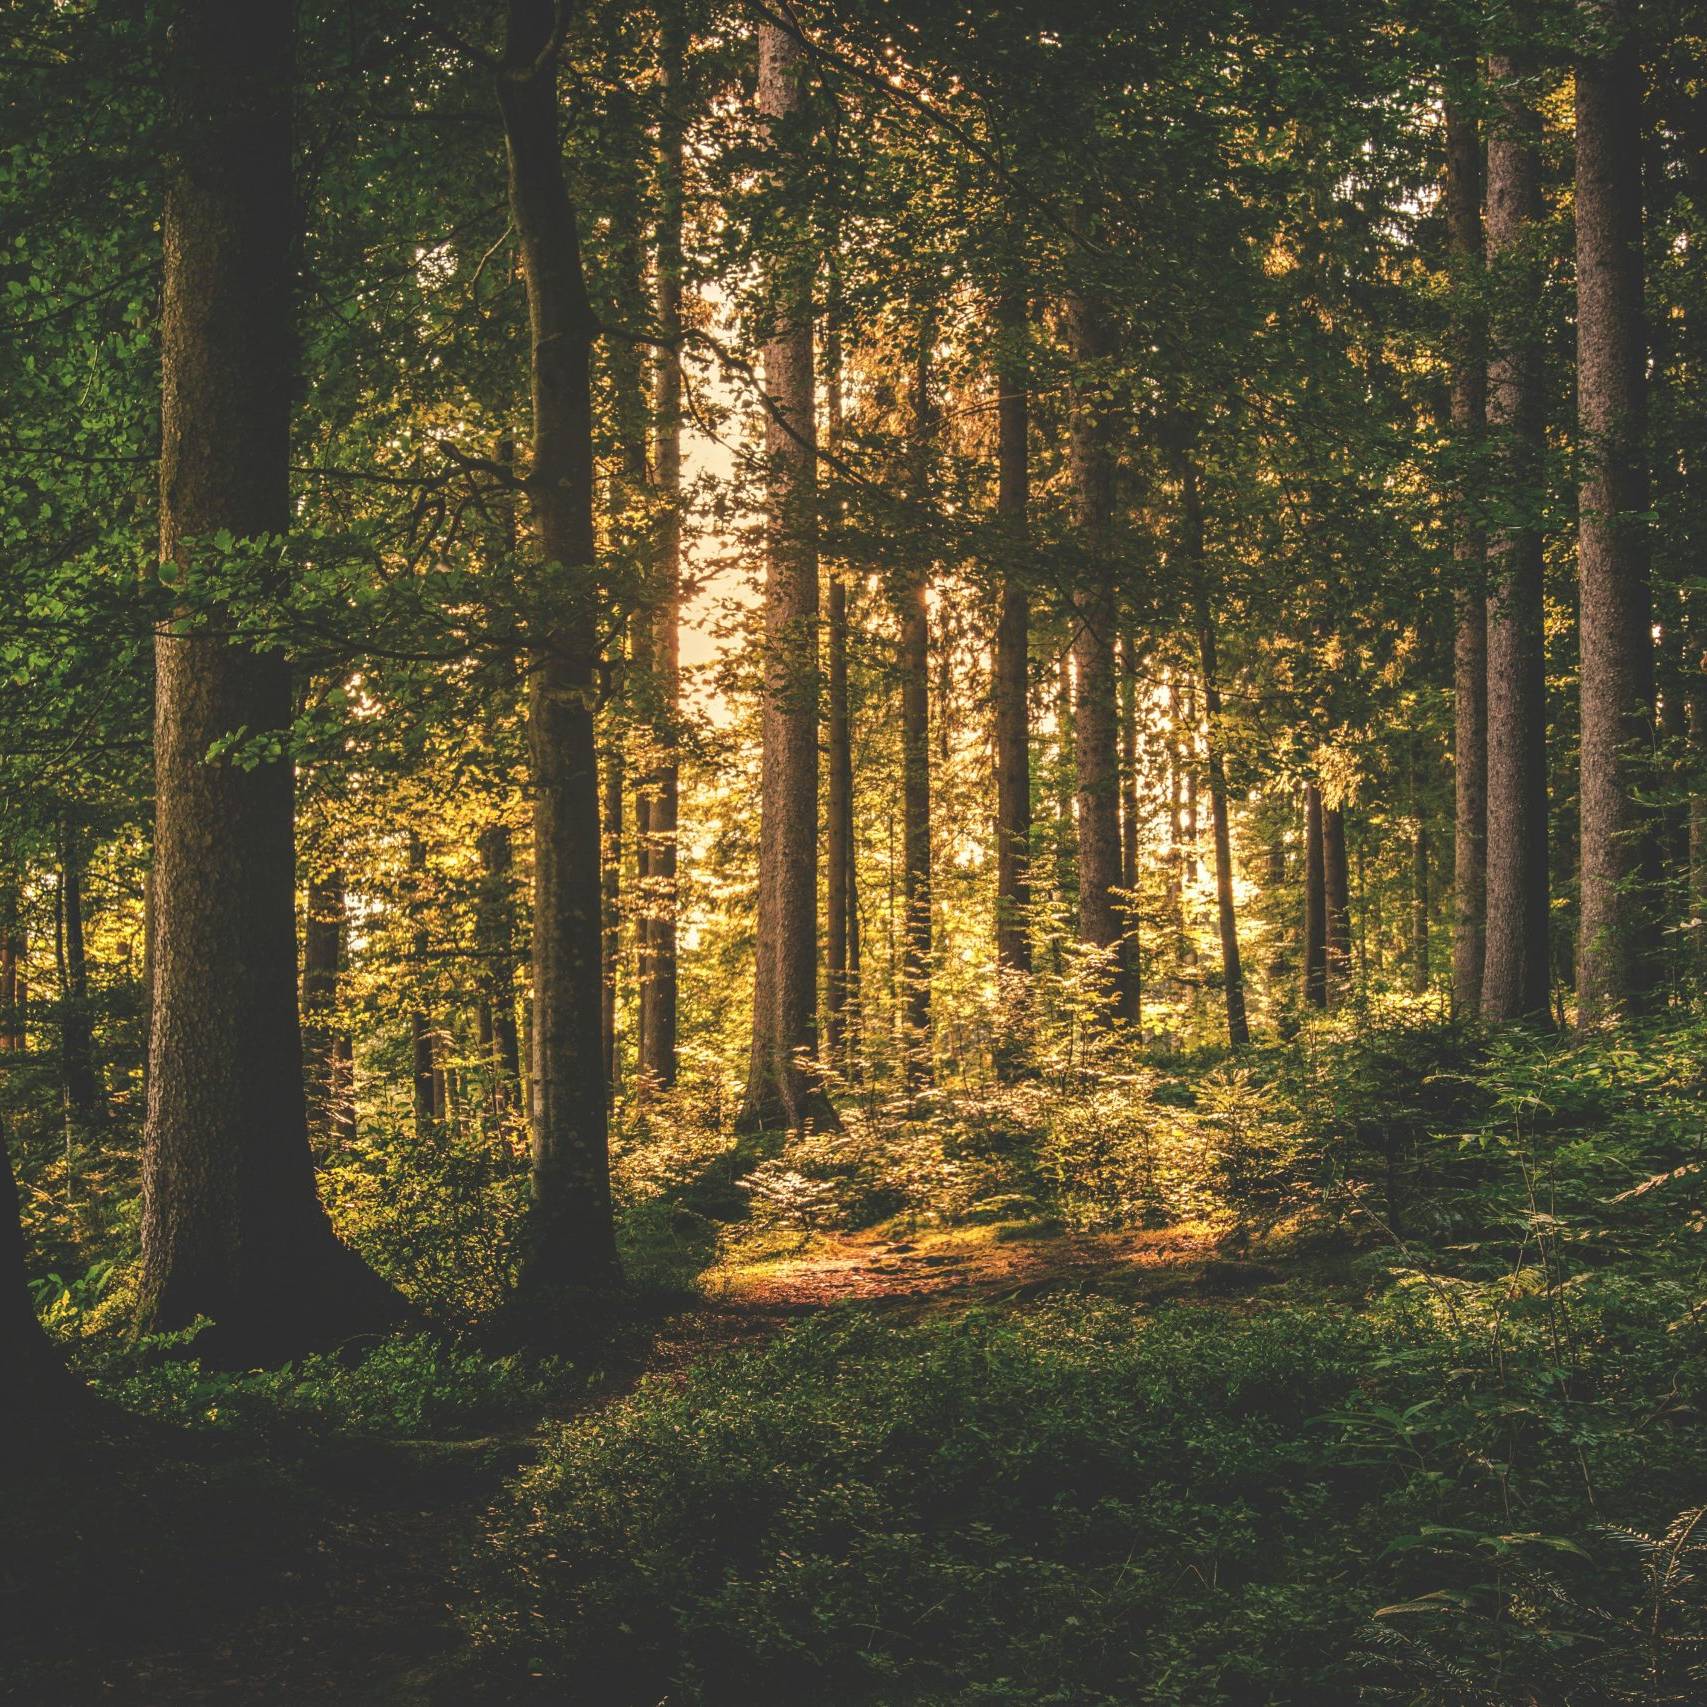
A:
[853,852]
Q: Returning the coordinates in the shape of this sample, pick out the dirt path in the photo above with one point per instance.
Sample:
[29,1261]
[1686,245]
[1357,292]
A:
[338,1583]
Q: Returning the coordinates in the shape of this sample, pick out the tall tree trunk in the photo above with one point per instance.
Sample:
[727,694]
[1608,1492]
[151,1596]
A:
[1336,892]
[423,1063]
[1470,648]
[610,898]
[571,1241]
[495,935]
[1066,877]
[1232,966]
[1091,465]
[658,984]
[913,615]
[85,1099]
[841,959]
[783,1086]
[14,946]
[232,1227]
[1013,639]
[1419,906]
[1315,901]
[1515,975]
[1131,970]
[1618,941]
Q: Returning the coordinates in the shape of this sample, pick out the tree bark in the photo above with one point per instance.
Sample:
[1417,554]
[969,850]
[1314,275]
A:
[1336,893]
[1131,968]
[495,927]
[841,958]
[1516,974]
[1469,546]
[610,899]
[1315,902]
[571,1237]
[232,1227]
[783,1086]
[913,618]
[1091,470]
[1618,937]
[1232,966]
[1013,639]
[661,785]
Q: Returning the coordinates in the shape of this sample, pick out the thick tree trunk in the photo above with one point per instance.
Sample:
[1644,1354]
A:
[660,786]
[1515,975]
[80,1072]
[1013,641]
[783,1086]
[1232,966]
[1336,891]
[913,618]
[571,1240]
[1618,940]
[232,1228]
[1315,902]
[1469,546]
[1095,724]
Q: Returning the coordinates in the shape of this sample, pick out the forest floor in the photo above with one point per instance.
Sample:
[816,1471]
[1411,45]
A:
[326,1568]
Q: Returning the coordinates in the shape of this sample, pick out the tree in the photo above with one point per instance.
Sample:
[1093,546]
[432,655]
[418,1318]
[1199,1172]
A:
[1469,383]
[232,1227]
[1315,901]
[1617,955]
[572,1241]
[782,1080]
[1516,974]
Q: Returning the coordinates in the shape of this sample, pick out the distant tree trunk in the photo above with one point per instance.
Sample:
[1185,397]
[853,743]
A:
[1419,907]
[423,1065]
[494,927]
[326,1060]
[610,903]
[783,1086]
[1131,979]
[1176,825]
[1013,640]
[1091,466]
[913,617]
[13,948]
[1336,891]
[841,958]
[1618,940]
[1315,902]
[658,985]
[571,1241]
[1516,973]
[232,1228]
[1066,886]
[1470,650]
[85,1100]
[1232,967]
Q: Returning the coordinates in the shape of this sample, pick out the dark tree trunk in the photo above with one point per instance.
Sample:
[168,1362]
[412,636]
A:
[841,955]
[1336,892]
[1065,875]
[1618,939]
[495,931]
[610,903]
[326,1052]
[1013,641]
[1131,970]
[913,617]
[1315,902]
[1232,967]
[658,981]
[85,1099]
[572,1240]
[783,1085]
[232,1227]
[1515,975]
[1096,755]
[14,946]
[1419,907]
[423,1064]
[1470,649]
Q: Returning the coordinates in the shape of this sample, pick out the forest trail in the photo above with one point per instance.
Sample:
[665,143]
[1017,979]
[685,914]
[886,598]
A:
[357,1605]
